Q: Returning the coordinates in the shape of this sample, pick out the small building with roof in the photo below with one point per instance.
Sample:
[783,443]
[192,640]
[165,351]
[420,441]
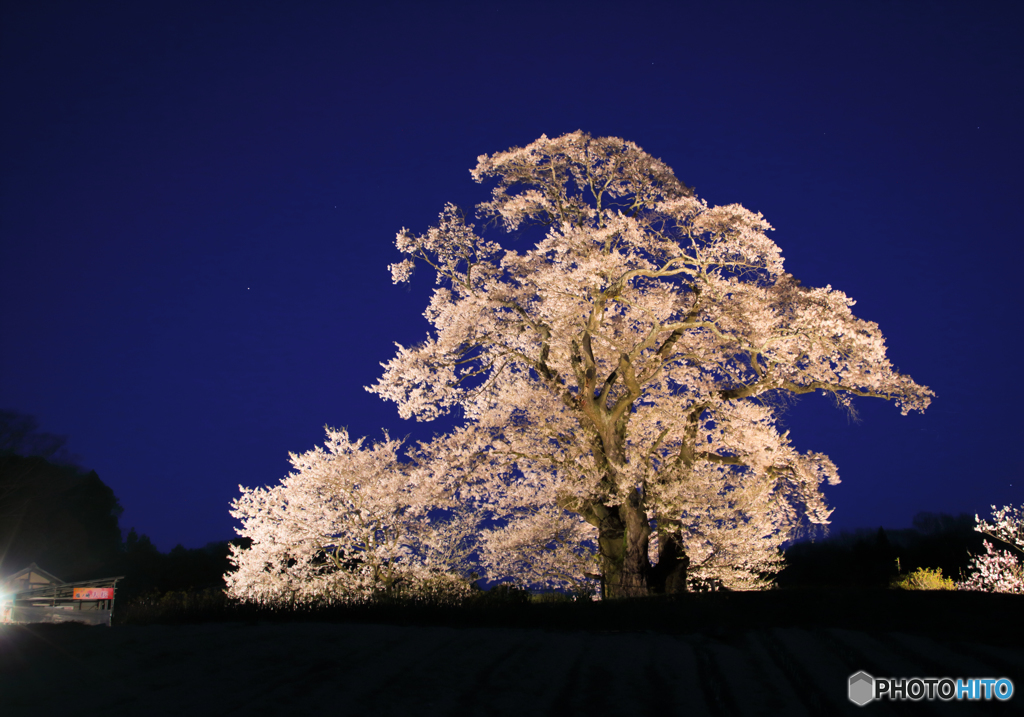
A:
[35,595]
[30,578]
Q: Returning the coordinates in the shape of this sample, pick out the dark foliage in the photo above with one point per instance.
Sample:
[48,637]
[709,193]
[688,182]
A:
[150,574]
[872,559]
[58,516]
[65,519]
[20,435]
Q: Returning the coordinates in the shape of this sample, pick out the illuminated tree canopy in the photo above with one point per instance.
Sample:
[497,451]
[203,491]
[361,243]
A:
[619,383]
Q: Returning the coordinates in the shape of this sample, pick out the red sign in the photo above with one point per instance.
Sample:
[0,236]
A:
[93,594]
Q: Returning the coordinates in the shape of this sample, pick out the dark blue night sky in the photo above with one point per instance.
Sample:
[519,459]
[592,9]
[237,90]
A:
[199,201]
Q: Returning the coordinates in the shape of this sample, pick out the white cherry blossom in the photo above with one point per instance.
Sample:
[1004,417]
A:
[622,378]
[999,571]
[618,386]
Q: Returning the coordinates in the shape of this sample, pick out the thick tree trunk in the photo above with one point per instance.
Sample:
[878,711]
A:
[610,540]
[669,575]
[623,535]
[635,561]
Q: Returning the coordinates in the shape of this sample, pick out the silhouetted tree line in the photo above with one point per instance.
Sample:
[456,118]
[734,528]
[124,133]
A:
[65,519]
[59,517]
[867,558]
[148,571]
[20,435]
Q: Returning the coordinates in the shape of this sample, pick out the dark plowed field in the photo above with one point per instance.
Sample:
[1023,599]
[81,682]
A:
[691,659]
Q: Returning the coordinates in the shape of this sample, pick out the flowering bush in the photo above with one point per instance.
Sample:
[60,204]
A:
[924,579]
[999,571]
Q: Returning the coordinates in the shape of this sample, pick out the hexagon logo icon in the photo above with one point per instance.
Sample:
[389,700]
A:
[862,688]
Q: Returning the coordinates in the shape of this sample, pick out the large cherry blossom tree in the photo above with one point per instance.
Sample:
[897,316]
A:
[619,383]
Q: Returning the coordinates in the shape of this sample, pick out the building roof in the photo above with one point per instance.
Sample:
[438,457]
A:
[27,574]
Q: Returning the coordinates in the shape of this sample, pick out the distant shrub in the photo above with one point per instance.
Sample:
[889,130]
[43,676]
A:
[706,585]
[502,594]
[580,592]
[438,589]
[924,579]
[551,597]
[176,606]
